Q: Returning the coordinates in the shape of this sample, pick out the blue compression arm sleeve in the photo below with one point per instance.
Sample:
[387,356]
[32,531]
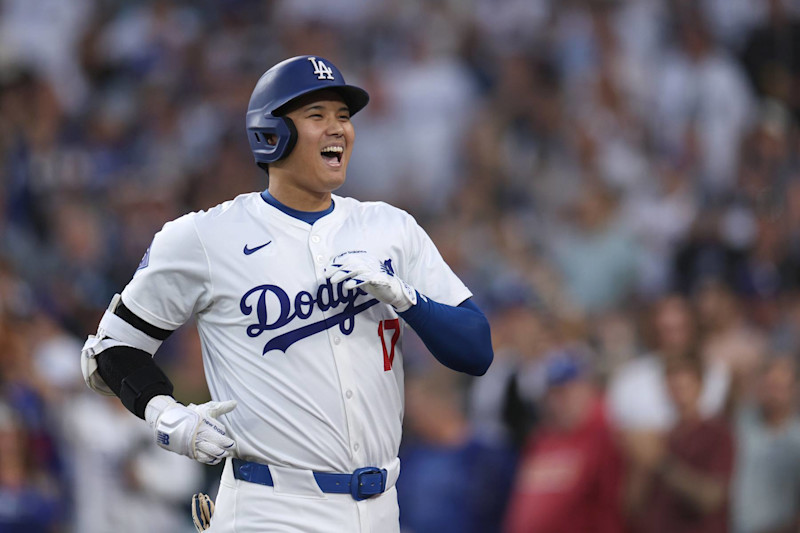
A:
[458,337]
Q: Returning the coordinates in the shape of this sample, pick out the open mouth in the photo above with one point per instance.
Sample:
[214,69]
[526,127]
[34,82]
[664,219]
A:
[332,155]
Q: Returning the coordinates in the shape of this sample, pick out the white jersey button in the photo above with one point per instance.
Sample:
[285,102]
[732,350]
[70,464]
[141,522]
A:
[356,446]
[315,238]
[349,394]
[320,259]
[336,340]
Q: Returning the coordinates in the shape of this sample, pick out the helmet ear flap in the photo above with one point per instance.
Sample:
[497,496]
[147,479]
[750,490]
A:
[292,137]
[271,138]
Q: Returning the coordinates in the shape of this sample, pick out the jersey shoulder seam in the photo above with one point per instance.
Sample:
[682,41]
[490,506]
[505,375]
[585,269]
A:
[391,212]
[208,260]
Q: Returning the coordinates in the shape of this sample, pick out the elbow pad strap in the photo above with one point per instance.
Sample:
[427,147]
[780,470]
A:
[141,386]
[133,376]
[128,316]
[117,328]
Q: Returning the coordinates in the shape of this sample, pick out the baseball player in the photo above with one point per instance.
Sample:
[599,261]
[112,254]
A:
[300,298]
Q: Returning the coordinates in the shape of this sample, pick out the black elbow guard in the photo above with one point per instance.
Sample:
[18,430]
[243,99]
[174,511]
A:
[133,376]
[141,386]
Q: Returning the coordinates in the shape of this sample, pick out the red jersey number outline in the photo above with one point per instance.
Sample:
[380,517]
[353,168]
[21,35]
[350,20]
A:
[388,354]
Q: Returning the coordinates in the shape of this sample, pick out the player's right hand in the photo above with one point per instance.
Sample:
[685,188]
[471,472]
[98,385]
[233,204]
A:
[191,430]
[359,269]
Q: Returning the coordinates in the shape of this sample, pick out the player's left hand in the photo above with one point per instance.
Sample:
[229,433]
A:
[359,269]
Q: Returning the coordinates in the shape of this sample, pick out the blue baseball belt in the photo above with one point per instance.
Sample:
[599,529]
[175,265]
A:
[361,484]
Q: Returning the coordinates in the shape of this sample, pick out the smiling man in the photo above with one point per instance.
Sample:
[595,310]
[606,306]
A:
[323,148]
[300,298]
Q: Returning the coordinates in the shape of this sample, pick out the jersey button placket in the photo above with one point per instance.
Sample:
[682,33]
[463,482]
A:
[320,253]
[346,383]
[317,250]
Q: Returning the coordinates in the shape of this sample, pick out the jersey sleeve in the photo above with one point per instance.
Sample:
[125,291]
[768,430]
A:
[173,281]
[427,272]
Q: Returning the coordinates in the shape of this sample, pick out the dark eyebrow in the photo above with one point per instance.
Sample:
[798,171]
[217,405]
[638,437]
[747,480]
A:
[322,108]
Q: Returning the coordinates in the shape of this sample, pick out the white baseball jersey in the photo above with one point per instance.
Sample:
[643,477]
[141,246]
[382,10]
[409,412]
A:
[316,369]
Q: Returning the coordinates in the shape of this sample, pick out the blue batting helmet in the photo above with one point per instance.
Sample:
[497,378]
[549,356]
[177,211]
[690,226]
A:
[277,88]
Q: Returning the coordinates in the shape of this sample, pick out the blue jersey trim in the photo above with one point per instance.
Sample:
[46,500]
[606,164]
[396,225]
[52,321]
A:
[308,217]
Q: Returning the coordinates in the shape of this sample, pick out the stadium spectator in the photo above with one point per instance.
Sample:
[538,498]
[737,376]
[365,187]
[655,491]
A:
[447,468]
[702,96]
[31,502]
[727,336]
[771,55]
[766,488]
[504,407]
[570,474]
[597,256]
[683,484]
[638,393]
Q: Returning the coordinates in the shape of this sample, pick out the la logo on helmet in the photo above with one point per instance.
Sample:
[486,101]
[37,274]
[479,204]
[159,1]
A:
[323,71]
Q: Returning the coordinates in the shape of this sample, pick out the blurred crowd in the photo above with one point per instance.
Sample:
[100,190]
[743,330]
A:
[617,181]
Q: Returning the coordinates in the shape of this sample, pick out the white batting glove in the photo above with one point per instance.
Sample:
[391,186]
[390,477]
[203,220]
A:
[359,269]
[193,430]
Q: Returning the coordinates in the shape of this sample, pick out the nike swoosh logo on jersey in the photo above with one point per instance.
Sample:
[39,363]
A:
[248,251]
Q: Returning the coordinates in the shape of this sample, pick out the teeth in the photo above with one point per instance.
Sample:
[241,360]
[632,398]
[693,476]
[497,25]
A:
[337,149]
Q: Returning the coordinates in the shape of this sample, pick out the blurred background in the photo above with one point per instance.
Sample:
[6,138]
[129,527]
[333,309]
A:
[617,181]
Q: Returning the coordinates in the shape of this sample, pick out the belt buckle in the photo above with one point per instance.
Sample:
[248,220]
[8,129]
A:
[243,468]
[367,482]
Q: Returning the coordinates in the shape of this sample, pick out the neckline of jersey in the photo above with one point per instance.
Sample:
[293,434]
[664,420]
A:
[309,217]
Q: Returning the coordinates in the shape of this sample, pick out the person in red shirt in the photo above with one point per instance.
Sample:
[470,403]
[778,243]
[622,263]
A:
[686,488]
[569,478]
